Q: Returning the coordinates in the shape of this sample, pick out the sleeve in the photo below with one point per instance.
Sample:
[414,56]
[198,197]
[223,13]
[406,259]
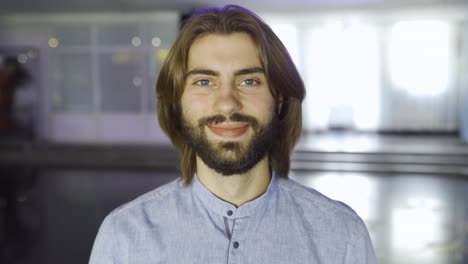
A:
[361,251]
[104,249]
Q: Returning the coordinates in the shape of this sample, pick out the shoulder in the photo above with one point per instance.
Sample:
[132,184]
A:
[157,201]
[333,222]
[311,197]
[128,221]
[318,209]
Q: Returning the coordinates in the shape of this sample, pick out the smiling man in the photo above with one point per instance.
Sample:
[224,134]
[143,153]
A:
[229,98]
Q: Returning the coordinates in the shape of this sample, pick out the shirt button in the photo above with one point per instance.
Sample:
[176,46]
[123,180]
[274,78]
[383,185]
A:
[229,212]
[236,244]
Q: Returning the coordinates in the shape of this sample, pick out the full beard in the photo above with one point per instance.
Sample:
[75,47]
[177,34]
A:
[230,158]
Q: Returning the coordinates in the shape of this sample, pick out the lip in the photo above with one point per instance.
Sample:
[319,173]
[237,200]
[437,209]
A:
[230,129]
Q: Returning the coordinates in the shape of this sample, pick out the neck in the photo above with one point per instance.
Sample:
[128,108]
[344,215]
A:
[236,189]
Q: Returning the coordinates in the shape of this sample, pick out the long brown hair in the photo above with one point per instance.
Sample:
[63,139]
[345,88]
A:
[282,75]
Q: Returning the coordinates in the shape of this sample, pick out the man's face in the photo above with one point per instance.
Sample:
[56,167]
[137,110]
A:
[228,111]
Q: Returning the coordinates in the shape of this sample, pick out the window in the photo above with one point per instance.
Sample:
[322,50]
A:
[342,75]
[419,56]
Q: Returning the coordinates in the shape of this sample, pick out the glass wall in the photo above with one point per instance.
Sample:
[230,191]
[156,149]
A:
[368,73]
[102,72]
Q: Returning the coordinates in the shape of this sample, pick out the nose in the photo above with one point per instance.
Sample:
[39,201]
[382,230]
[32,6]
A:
[227,100]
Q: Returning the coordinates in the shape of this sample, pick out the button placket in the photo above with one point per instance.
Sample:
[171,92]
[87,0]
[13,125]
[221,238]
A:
[236,250]
[229,222]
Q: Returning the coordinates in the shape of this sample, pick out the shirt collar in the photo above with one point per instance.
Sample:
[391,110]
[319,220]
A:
[218,206]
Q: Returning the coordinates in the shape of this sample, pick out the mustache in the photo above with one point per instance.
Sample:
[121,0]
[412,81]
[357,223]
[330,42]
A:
[235,117]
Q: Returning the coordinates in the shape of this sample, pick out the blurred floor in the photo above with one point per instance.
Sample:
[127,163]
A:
[343,141]
[410,190]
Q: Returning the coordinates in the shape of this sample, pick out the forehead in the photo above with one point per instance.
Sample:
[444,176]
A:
[215,50]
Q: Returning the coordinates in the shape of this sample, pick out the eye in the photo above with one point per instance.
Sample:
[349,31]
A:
[249,82]
[203,82]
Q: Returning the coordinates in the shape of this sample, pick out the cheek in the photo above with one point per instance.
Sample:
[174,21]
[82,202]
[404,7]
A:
[187,112]
[263,107]
[192,106]
[183,103]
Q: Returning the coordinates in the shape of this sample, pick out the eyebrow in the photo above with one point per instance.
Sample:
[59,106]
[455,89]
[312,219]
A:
[249,71]
[236,73]
[203,72]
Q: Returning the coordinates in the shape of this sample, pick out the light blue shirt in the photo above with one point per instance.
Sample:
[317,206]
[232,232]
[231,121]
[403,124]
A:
[289,223]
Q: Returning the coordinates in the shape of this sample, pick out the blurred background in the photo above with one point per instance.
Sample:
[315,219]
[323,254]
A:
[385,118]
